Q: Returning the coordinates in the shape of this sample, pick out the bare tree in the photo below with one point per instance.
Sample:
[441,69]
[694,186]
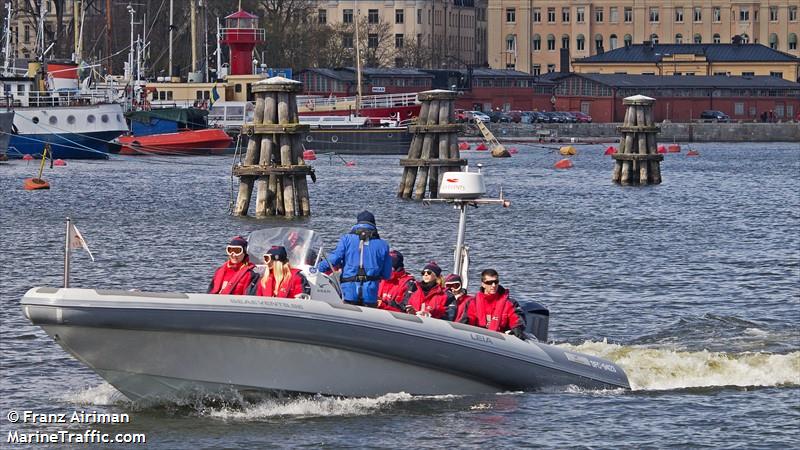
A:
[414,54]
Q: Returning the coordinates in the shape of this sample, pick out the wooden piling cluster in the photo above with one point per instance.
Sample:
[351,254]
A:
[434,148]
[637,162]
[274,154]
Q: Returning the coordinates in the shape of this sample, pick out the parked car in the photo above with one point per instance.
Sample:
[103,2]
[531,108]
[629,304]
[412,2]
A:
[527,117]
[568,117]
[460,115]
[516,116]
[714,116]
[539,117]
[554,117]
[582,118]
[499,116]
[471,115]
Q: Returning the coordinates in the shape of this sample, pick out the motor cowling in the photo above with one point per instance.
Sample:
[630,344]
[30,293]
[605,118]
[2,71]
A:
[537,319]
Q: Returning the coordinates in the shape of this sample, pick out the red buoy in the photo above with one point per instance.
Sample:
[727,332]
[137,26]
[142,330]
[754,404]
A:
[27,157]
[674,148]
[309,155]
[513,150]
[481,147]
[662,149]
[350,163]
[32,184]
[564,164]
[59,162]
[610,150]
[463,146]
[692,153]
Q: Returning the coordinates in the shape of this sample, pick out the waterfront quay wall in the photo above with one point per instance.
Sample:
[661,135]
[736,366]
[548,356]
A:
[672,132]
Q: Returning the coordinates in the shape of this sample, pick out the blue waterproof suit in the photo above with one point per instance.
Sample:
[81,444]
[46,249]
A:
[377,264]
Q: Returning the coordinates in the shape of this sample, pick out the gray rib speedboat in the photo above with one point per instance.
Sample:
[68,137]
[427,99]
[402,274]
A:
[162,345]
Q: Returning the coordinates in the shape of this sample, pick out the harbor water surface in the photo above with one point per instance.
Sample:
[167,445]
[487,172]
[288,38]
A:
[691,286]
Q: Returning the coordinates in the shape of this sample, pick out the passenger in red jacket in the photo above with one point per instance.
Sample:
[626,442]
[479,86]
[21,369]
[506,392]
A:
[391,292]
[280,279]
[493,309]
[236,275]
[457,297]
[428,299]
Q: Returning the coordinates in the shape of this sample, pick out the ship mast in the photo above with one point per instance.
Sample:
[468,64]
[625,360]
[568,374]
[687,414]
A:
[171,28]
[193,20]
[7,47]
[358,65]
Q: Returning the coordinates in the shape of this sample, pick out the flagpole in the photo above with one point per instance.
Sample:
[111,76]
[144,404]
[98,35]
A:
[66,254]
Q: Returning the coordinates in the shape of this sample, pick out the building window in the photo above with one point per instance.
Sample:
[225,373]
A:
[628,39]
[598,14]
[580,14]
[372,16]
[399,16]
[773,13]
[612,42]
[565,15]
[347,40]
[537,69]
[511,15]
[628,14]
[773,41]
[744,14]
[698,14]
[793,13]
[27,34]
[698,38]
[613,14]
[679,38]
[551,42]
[678,15]
[322,16]
[776,74]
[537,15]
[565,41]
[398,41]
[792,41]
[654,38]
[716,14]
[598,43]
[653,14]
[551,15]
[580,42]
[745,38]
[717,38]
[748,74]
[372,40]
[551,68]
[738,109]
[537,42]
[347,16]
[511,43]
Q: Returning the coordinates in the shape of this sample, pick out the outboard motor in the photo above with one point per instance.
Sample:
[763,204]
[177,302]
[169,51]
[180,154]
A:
[537,319]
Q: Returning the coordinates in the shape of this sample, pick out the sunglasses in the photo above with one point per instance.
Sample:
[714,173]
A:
[234,250]
[452,285]
[428,272]
[491,282]
[267,258]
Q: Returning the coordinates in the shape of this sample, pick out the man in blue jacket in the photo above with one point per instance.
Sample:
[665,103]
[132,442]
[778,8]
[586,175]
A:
[364,259]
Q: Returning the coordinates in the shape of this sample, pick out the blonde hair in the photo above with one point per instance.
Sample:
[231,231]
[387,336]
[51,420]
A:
[283,271]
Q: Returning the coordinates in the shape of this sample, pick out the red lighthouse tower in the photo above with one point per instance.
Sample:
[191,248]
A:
[241,34]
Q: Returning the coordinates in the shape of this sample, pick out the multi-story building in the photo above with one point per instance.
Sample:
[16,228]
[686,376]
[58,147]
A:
[24,27]
[528,35]
[452,33]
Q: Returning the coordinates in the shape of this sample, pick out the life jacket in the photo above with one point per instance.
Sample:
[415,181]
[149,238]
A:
[392,291]
[232,278]
[290,287]
[460,306]
[494,312]
[364,235]
[433,302]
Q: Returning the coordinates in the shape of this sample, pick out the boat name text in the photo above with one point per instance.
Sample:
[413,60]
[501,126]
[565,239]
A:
[265,302]
[479,338]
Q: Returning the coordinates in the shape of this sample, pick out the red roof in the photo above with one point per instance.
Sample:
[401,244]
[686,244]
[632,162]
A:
[242,14]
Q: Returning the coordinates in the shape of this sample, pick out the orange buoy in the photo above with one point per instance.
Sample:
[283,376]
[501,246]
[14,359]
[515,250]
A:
[309,155]
[564,164]
[463,146]
[662,149]
[32,184]
[674,148]
[27,157]
[59,162]
[610,150]
[350,163]
[692,153]
[481,147]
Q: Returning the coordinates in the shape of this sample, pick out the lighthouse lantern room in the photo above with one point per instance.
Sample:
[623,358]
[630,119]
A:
[241,34]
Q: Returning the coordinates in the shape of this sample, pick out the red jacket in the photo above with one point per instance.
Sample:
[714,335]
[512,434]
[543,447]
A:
[392,291]
[461,306]
[290,287]
[434,302]
[494,312]
[233,278]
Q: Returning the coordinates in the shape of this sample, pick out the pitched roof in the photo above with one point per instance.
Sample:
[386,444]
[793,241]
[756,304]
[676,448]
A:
[643,53]
[678,81]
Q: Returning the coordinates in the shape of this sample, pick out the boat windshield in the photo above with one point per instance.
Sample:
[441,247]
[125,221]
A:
[301,245]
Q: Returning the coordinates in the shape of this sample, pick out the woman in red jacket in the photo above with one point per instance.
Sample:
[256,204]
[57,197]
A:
[428,298]
[280,279]
[236,275]
[493,309]
[392,291]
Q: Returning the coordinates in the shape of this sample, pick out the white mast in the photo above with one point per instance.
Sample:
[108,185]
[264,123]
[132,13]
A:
[193,19]
[40,34]
[132,49]
[358,65]
[219,50]
[171,27]
[7,47]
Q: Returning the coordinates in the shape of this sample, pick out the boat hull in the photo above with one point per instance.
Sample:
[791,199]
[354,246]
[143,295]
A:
[64,146]
[359,141]
[212,141]
[151,345]
[6,120]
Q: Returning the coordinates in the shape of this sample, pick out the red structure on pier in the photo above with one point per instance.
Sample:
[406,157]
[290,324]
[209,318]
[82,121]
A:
[241,34]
